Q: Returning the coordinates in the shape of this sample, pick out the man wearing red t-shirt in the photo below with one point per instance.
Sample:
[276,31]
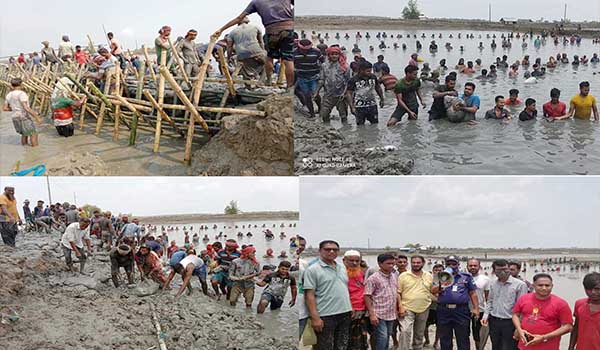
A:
[356,289]
[541,318]
[554,109]
[586,332]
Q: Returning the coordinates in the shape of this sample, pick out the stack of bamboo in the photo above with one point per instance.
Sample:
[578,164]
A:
[113,107]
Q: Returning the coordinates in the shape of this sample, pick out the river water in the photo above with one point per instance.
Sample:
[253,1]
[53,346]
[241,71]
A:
[284,321]
[490,147]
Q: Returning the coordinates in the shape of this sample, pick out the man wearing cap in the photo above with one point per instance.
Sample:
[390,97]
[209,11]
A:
[333,79]
[72,242]
[9,216]
[187,264]
[504,293]
[27,212]
[414,299]
[186,47]
[242,273]
[356,289]
[327,298]
[220,280]
[121,256]
[453,312]
[48,53]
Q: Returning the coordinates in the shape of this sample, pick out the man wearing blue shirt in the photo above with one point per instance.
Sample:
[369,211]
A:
[453,312]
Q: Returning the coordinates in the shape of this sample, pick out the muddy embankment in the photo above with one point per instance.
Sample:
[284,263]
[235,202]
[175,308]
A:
[588,29]
[45,307]
[199,218]
[320,149]
[251,146]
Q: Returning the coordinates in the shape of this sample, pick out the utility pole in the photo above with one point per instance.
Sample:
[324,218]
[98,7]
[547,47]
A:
[490,12]
[75,198]
[565,18]
[49,193]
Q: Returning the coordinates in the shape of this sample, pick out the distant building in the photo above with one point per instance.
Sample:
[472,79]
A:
[508,20]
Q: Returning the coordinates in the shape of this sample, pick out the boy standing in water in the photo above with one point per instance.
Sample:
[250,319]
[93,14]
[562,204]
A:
[17,102]
[407,91]
[277,284]
[361,94]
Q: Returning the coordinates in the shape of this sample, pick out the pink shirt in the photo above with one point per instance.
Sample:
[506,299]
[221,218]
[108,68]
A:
[588,327]
[542,317]
[382,290]
[412,62]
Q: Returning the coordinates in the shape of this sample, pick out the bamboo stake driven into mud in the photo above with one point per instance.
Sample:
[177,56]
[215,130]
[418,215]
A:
[117,108]
[186,101]
[161,111]
[138,96]
[150,65]
[238,67]
[161,99]
[225,70]
[178,60]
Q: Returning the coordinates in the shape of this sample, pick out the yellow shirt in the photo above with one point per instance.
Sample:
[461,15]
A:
[11,206]
[583,106]
[415,291]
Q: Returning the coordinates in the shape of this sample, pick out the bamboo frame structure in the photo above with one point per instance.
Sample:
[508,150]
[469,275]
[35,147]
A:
[145,109]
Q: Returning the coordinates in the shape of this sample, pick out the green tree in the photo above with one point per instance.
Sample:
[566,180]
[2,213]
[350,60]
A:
[411,10]
[232,208]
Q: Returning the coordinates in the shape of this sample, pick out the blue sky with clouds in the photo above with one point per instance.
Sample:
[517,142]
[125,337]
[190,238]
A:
[162,195]
[452,211]
[26,23]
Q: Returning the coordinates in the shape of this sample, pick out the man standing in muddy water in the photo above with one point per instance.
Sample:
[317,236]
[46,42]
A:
[360,94]
[278,18]
[333,79]
[583,104]
[407,91]
[9,216]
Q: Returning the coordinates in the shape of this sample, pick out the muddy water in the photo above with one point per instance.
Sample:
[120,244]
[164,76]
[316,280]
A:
[284,321]
[491,147]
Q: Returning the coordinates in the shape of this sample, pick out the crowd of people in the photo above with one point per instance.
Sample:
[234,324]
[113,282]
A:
[245,45]
[327,78]
[350,305]
[231,270]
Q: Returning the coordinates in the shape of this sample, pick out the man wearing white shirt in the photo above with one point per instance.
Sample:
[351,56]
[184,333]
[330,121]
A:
[72,241]
[482,282]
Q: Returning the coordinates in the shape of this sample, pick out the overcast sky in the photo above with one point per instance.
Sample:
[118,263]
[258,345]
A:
[531,9]
[24,24]
[162,195]
[491,212]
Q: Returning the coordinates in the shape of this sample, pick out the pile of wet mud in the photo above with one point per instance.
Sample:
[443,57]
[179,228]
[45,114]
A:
[45,307]
[77,164]
[320,149]
[251,146]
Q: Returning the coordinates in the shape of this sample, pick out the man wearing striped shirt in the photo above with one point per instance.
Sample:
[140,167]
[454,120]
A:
[307,63]
[504,293]
[381,300]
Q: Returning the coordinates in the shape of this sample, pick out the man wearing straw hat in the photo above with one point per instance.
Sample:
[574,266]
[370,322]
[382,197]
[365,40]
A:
[278,18]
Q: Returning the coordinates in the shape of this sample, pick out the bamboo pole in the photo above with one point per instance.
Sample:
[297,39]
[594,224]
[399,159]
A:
[150,65]
[162,112]
[161,341]
[161,100]
[179,63]
[117,108]
[225,70]
[238,67]
[138,96]
[100,121]
[165,73]
[148,107]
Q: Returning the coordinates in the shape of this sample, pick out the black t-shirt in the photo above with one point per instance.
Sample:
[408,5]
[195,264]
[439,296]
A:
[364,90]
[438,107]
[526,116]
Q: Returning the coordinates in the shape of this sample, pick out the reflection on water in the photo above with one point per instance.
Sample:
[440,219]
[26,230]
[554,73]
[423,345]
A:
[284,321]
[491,147]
